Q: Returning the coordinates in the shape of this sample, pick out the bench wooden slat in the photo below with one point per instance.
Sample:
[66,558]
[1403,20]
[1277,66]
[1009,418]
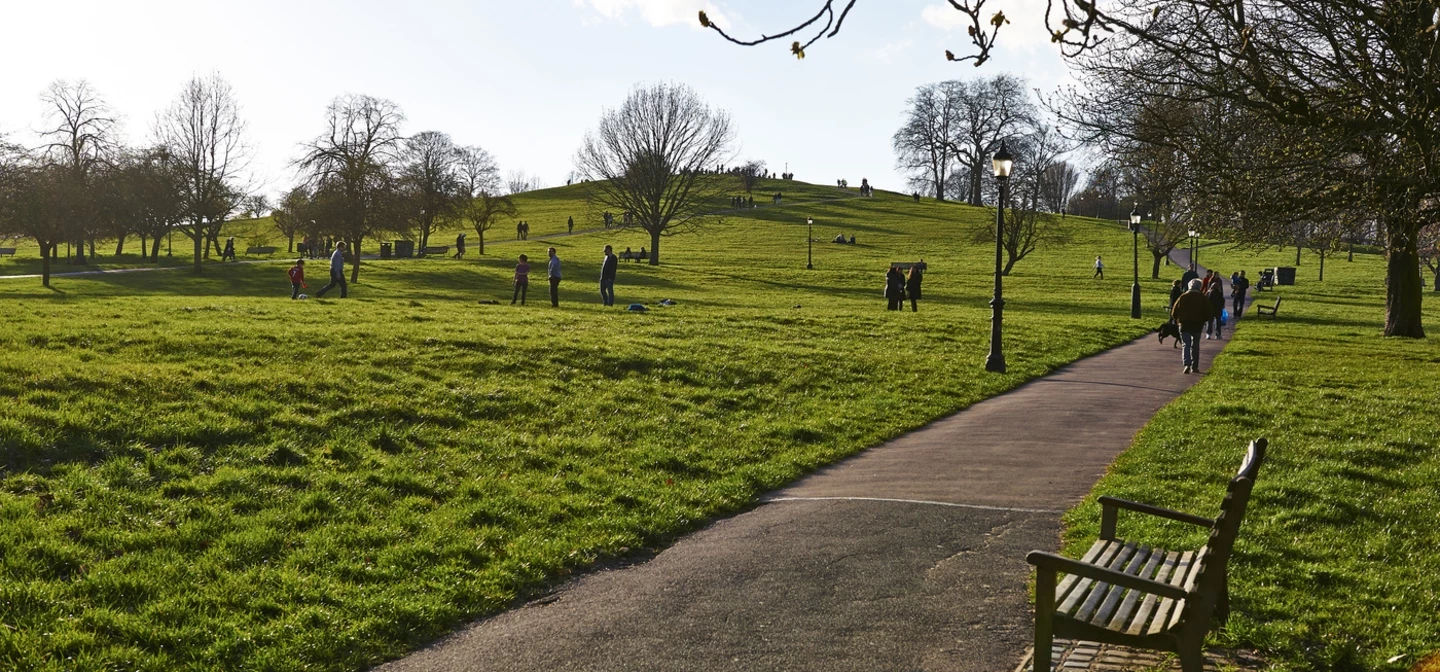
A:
[1168,605]
[1107,608]
[1132,598]
[1079,586]
[1091,557]
[1167,568]
[1099,591]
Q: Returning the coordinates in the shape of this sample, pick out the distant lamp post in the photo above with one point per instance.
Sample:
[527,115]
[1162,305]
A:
[809,243]
[1194,248]
[1135,252]
[1001,163]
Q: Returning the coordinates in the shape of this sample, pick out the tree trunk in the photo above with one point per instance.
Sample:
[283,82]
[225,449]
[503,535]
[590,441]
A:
[92,248]
[1351,256]
[47,252]
[155,250]
[1402,286]
[120,245]
[1322,265]
[655,247]
[975,187]
[1297,254]
[1436,284]
[199,240]
[1010,260]
[1155,269]
[355,252]
[291,237]
[480,233]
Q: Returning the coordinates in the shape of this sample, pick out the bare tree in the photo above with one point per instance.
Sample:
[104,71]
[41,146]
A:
[37,200]
[429,182]
[350,166]
[1060,180]
[1027,227]
[81,137]
[749,174]
[293,214]
[519,182]
[651,157]
[922,145]
[258,205]
[989,111]
[480,182]
[204,134]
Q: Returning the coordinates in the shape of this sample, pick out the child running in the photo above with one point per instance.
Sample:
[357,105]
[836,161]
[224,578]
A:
[297,278]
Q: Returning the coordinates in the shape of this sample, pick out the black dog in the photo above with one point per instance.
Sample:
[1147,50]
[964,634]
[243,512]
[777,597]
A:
[1172,330]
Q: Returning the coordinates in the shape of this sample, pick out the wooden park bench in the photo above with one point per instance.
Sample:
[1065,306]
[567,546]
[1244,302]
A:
[1124,592]
[627,255]
[7,251]
[1269,310]
[260,250]
[441,250]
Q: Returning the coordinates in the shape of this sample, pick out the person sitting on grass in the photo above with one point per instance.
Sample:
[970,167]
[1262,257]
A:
[852,239]
[297,278]
[839,238]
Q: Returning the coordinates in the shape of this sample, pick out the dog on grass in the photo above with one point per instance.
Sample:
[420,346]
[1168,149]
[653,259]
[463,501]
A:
[1171,330]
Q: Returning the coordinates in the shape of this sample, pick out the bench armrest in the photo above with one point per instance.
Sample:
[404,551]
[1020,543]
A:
[1060,563]
[1110,508]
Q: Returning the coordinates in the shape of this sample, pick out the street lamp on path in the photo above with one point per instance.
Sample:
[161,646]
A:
[1194,248]
[1001,163]
[1135,250]
[809,243]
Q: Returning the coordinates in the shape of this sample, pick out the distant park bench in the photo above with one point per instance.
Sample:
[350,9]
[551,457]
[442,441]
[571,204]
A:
[1128,593]
[634,256]
[441,250]
[260,250]
[1269,310]
[7,251]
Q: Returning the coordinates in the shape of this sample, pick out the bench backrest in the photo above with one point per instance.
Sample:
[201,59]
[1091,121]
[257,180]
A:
[7,250]
[1210,580]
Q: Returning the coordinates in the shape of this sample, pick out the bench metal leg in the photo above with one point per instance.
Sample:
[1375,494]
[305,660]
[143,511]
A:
[1044,615]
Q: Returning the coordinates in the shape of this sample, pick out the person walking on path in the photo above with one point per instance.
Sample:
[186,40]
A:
[607,277]
[229,253]
[522,280]
[297,278]
[1217,307]
[1191,311]
[1188,276]
[1099,269]
[337,272]
[554,272]
[912,286]
[460,246]
[570,225]
[894,289]
[1209,279]
[1237,295]
[1176,289]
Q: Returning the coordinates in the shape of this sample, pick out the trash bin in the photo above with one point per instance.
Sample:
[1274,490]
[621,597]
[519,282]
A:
[384,250]
[1284,275]
[404,249]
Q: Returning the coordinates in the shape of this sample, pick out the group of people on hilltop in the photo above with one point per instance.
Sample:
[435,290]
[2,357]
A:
[1197,306]
[900,286]
[737,202]
[337,275]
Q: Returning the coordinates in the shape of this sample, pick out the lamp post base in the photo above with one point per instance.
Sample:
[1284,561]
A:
[1135,300]
[995,363]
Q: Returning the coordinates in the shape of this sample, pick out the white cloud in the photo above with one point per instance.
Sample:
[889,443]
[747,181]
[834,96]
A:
[943,17]
[659,13]
[887,53]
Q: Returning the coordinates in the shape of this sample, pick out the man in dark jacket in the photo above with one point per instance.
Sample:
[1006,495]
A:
[1237,295]
[607,277]
[1216,294]
[1188,276]
[1191,311]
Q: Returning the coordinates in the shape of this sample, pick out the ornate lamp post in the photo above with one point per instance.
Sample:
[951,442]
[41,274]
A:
[1001,163]
[1135,251]
[809,243]
[1194,248]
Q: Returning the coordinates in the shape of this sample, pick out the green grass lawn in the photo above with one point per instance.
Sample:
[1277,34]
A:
[199,473]
[1337,565]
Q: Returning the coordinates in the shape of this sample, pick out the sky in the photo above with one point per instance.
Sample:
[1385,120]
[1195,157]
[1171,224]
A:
[524,79]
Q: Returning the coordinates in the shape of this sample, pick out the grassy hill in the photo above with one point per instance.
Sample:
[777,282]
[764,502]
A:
[201,473]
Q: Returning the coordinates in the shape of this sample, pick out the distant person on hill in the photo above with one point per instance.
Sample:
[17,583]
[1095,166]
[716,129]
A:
[1099,269]
[522,280]
[1238,288]
[912,287]
[554,273]
[519,230]
[1191,312]
[570,225]
[229,253]
[460,246]
[917,197]
[337,272]
[894,289]
[1216,294]
[852,239]
[297,278]
[839,238]
[607,277]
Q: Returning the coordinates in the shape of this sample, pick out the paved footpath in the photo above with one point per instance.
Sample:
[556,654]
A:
[908,556]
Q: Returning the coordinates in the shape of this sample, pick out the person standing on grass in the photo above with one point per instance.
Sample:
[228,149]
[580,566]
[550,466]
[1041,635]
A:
[1216,294]
[894,289]
[1099,269]
[570,225]
[1237,295]
[229,253]
[337,272]
[1191,312]
[554,273]
[297,278]
[460,246]
[607,277]
[912,286]
[522,280]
